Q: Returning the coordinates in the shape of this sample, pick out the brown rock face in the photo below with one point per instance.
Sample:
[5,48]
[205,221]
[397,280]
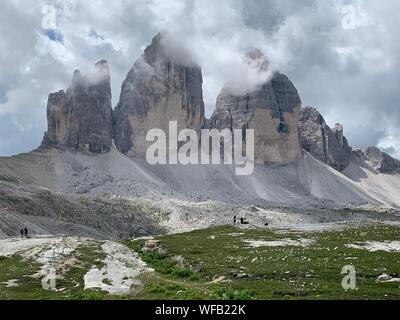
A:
[81,117]
[163,85]
[326,144]
[272,111]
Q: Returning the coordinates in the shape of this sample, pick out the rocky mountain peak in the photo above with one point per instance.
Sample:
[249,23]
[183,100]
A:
[381,161]
[326,144]
[163,85]
[81,117]
[156,49]
[103,65]
[272,110]
[77,78]
[257,59]
[338,132]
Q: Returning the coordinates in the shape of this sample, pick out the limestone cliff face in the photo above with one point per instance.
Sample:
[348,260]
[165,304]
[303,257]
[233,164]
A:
[379,160]
[326,144]
[163,85]
[272,111]
[81,117]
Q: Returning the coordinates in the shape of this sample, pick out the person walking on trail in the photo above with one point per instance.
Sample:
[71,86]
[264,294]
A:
[26,232]
[234,220]
[22,233]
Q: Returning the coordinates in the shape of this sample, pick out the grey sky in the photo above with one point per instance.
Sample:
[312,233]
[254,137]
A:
[351,73]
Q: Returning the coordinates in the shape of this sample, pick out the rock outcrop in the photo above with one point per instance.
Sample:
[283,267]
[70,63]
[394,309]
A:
[273,112]
[163,85]
[81,117]
[380,161]
[326,144]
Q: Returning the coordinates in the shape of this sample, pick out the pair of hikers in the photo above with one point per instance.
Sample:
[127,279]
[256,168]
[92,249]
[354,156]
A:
[24,232]
[242,220]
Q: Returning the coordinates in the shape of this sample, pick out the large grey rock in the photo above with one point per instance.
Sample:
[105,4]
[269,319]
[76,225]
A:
[272,111]
[326,144]
[163,85]
[81,117]
[381,161]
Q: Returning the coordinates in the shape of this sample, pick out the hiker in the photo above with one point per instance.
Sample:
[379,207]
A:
[241,220]
[22,233]
[26,232]
[234,220]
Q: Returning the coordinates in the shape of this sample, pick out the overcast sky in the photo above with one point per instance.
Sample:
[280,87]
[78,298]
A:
[343,56]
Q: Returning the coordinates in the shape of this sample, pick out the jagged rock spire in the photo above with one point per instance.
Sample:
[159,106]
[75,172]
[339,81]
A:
[163,85]
[326,144]
[81,117]
[272,110]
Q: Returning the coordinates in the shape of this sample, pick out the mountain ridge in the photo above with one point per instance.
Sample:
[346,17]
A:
[90,176]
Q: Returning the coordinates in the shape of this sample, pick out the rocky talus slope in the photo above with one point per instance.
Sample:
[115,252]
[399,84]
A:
[113,196]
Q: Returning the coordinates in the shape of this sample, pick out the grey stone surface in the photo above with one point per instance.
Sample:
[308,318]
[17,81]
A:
[163,85]
[278,95]
[272,110]
[49,212]
[326,144]
[381,161]
[81,117]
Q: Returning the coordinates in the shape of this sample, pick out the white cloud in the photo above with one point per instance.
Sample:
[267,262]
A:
[390,142]
[344,73]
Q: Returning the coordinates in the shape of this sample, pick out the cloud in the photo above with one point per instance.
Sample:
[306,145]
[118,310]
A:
[390,141]
[350,75]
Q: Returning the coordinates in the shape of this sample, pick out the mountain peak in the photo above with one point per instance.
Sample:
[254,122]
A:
[81,118]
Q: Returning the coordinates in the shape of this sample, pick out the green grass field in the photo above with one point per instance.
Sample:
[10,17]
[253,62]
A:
[218,264]
[287,272]
[30,287]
